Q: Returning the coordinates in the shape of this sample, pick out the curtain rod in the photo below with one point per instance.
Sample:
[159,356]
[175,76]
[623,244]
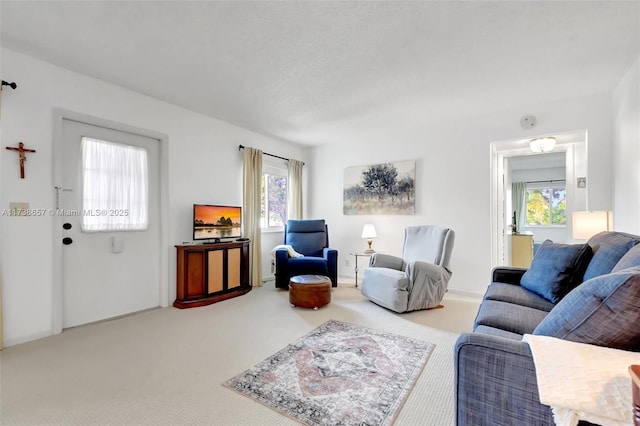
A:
[546,181]
[266,153]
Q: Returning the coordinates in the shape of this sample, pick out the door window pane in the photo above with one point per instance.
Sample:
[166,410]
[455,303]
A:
[115,187]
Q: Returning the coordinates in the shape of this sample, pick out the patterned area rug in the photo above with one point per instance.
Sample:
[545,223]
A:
[339,374]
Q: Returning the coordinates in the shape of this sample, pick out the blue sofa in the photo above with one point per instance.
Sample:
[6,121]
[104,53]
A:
[588,293]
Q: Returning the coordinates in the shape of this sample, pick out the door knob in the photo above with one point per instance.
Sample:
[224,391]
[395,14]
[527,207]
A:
[66,241]
[66,226]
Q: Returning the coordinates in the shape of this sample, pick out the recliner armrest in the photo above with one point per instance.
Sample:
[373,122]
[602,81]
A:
[281,255]
[495,383]
[329,253]
[427,284]
[379,260]
[507,274]
[420,272]
[332,264]
[282,277]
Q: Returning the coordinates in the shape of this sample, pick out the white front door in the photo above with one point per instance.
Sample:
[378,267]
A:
[106,274]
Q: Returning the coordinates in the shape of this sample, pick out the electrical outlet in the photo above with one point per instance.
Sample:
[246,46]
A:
[18,208]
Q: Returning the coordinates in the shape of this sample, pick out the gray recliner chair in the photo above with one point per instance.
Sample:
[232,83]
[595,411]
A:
[419,279]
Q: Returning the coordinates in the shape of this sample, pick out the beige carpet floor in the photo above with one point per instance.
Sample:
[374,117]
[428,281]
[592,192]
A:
[166,366]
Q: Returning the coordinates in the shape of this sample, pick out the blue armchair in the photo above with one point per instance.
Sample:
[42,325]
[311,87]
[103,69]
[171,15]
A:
[311,239]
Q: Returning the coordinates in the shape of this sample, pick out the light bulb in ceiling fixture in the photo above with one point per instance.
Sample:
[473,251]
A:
[544,144]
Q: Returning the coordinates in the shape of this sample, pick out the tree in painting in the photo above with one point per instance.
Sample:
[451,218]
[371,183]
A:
[380,180]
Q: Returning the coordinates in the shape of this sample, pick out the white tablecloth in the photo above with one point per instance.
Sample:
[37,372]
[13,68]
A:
[583,382]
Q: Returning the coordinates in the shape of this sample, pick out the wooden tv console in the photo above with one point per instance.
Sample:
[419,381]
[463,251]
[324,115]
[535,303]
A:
[210,273]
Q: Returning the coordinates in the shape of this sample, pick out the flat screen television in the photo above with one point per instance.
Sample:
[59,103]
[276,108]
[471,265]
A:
[212,222]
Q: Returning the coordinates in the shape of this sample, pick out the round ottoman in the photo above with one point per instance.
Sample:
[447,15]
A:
[309,291]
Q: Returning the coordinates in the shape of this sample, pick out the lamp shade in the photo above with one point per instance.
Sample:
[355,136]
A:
[588,223]
[545,144]
[369,231]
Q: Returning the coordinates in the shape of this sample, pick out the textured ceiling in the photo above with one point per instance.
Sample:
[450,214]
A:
[315,72]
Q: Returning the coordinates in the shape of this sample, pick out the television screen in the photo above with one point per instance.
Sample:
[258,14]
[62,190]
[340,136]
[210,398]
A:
[211,222]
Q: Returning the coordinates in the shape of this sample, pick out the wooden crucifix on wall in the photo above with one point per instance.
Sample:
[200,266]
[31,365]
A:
[21,150]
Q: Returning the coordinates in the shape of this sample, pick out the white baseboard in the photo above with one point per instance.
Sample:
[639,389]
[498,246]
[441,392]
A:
[464,294]
[9,341]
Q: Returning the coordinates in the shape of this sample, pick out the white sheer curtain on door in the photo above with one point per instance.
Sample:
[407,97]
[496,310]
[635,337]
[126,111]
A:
[115,187]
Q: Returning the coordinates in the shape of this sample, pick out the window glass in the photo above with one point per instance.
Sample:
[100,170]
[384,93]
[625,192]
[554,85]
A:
[114,187]
[273,214]
[546,205]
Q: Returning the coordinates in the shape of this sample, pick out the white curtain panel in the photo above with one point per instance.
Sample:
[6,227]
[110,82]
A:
[519,200]
[295,189]
[252,188]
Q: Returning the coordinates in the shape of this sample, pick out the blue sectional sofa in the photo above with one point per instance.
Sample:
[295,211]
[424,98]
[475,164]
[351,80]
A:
[588,293]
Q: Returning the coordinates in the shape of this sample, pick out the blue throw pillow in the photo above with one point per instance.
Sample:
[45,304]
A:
[603,311]
[608,248]
[629,260]
[556,269]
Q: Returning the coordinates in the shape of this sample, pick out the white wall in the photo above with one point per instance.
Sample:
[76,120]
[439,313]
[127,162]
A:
[453,178]
[626,150]
[204,165]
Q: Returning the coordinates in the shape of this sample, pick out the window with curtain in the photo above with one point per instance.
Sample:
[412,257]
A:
[274,198]
[115,187]
[547,204]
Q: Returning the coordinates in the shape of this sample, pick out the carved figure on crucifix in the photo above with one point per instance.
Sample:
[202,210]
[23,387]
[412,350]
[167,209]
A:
[21,150]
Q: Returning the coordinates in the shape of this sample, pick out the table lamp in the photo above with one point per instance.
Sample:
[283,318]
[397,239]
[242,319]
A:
[369,232]
[586,224]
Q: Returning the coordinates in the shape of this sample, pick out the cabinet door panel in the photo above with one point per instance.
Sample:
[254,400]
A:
[521,250]
[233,265]
[194,285]
[216,271]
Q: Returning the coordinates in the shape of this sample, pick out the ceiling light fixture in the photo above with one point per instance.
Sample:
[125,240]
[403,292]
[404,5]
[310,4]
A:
[544,144]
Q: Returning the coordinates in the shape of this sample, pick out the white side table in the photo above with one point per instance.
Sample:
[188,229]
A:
[358,254]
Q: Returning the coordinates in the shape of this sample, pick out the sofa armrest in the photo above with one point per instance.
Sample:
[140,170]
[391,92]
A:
[495,383]
[379,260]
[507,274]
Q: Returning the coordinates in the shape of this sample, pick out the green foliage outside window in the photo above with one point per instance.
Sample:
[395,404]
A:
[546,206]
[273,211]
[277,200]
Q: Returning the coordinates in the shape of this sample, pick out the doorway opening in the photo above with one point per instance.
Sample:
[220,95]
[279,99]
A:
[572,145]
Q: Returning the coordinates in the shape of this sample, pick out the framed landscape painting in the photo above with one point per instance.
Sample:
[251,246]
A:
[387,188]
